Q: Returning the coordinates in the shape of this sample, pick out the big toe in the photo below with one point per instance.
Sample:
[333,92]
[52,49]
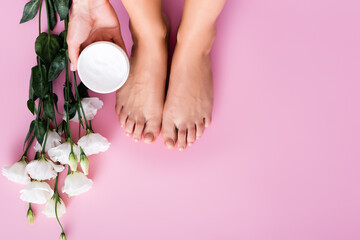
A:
[169,133]
[151,130]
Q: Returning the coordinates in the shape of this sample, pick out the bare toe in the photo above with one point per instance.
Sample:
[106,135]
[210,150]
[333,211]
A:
[181,145]
[129,126]
[139,127]
[191,135]
[122,117]
[168,132]
[200,127]
[207,121]
[151,130]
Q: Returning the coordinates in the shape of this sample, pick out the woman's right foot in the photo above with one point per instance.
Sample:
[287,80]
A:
[139,103]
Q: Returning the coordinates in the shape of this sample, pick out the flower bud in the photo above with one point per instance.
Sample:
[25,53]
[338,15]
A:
[73,161]
[23,159]
[84,163]
[30,215]
[62,236]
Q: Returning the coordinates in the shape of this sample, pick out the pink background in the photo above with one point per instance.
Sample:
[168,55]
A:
[280,161]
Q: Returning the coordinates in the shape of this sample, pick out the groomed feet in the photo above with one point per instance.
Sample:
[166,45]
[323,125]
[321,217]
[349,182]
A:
[139,103]
[189,100]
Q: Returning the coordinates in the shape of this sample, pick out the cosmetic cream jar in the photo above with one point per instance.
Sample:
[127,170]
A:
[103,67]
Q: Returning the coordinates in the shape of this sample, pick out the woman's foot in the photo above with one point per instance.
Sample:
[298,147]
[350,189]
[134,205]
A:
[189,100]
[139,103]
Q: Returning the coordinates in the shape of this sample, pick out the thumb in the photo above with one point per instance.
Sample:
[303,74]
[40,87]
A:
[73,51]
[77,34]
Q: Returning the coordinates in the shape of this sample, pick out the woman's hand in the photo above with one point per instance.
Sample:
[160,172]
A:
[91,21]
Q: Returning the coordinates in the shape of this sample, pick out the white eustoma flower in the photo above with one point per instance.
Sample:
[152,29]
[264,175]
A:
[76,183]
[36,192]
[90,105]
[93,143]
[49,210]
[53,140]
[43,169]
[16,172]
[61,153]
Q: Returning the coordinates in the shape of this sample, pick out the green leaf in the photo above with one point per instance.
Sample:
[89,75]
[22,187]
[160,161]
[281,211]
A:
[40,130]
[52,13]
[30,10]
[62,8]
[47,46]
[55,101]
[57,65]
[72,108]
[31,129]
[31,105]
[83,91]
[31,90]
[62,37]
[39,83]
[49,108]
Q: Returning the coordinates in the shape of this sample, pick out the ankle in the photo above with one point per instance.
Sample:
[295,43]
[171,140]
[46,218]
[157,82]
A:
[197,39]
[149,32]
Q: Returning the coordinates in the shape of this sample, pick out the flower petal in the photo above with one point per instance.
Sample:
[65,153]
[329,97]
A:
[36,192]
[16,172]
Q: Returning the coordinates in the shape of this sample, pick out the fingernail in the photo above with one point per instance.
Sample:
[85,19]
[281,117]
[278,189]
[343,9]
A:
[136,140]
[127,134]
[149,137]
[181,148]
[169,143]
[189,144]
[72,68]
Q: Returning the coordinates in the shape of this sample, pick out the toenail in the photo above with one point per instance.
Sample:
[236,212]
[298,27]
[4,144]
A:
[127,134]
[149,137]
[181,148]
[136,140]
[189,144]
[169,143]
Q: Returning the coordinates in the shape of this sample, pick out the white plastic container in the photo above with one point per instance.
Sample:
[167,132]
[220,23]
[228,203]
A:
[103,67]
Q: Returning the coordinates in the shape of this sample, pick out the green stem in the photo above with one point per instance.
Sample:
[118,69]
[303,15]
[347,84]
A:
[47,132]
[29,144]
[40,16]
[52,102]
[77,97]
[48,15]
[57,198]
[67,83]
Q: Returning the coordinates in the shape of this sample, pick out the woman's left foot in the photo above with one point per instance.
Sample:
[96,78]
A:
[189,101]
